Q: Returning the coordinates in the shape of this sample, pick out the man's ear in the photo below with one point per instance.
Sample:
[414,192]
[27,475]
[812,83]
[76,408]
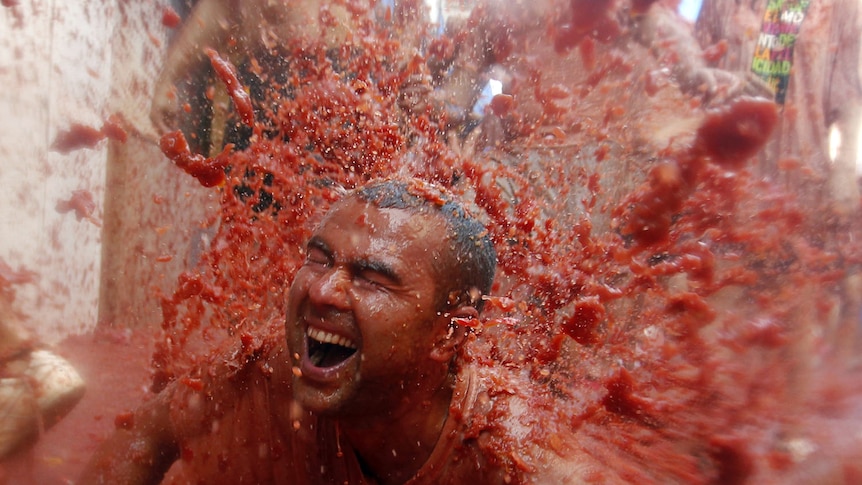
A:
[447,343]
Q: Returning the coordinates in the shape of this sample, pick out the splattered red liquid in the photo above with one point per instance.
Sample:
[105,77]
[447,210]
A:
[675,314]
[81,203]
[113,129]
[730,136]
[583,304]
[170,18]
[209,172]
[227,73]
[77,136]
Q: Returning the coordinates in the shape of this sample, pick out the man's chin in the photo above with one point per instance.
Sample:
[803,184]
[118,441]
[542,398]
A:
[323,402]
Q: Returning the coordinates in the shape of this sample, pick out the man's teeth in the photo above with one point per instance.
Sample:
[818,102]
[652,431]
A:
[329,338]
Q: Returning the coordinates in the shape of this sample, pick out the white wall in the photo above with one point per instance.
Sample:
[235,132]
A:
[58,66]
[53,73]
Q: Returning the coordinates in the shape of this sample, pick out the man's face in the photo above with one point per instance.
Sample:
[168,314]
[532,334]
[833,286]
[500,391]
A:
[361,317]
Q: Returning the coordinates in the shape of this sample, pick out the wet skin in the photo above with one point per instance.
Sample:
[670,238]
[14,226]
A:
[368,287]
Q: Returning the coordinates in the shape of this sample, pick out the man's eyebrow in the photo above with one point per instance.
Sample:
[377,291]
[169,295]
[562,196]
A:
[379,267]
[360,265]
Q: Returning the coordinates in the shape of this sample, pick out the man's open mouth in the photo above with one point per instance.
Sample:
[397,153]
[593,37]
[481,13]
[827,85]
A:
[327,349]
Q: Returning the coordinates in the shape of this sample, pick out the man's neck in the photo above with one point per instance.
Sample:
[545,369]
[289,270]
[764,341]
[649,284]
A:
[391,448]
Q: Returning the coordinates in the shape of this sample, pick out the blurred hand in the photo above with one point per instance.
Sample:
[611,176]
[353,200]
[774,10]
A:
[718,86]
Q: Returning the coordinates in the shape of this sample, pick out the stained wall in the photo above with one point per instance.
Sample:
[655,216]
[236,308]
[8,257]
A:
[82,63]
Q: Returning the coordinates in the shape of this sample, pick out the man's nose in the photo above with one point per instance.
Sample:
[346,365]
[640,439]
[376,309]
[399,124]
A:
[331,289]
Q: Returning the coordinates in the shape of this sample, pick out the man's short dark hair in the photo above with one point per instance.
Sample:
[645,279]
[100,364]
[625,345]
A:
[472,257]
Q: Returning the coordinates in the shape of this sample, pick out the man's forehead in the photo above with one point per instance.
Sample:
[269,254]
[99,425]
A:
[353,211]
[363,218]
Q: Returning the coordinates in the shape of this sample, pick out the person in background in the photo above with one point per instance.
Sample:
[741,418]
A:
[260,38]
[37,387]
[808,53]
[498,49]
